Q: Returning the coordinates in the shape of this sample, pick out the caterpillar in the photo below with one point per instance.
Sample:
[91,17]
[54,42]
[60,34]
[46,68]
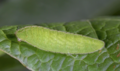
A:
[57,41]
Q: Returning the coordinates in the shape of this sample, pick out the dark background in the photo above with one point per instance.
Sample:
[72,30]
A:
[16,12]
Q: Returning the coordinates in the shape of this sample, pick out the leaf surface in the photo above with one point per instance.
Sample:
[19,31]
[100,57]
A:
[107,59]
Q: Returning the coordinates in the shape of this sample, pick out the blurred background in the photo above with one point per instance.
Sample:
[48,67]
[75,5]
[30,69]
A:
[17,12]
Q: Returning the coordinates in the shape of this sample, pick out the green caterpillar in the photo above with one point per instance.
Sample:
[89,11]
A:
[58,41]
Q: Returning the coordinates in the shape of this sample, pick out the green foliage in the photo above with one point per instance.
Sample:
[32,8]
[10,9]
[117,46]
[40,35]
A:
[107,59]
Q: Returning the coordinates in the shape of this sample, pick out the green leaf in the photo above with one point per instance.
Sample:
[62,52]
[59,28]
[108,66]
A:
[107,59]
